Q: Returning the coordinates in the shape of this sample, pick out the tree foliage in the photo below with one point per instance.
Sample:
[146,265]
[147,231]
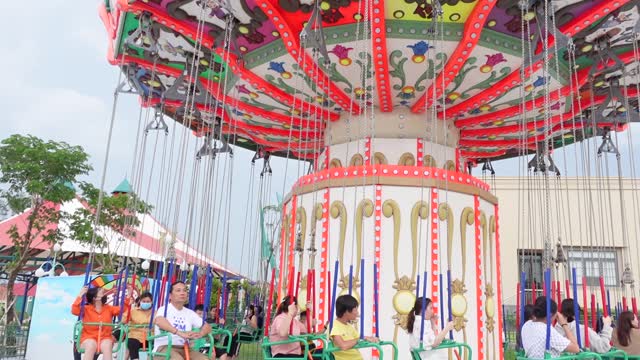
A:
[118,219]
[35,175]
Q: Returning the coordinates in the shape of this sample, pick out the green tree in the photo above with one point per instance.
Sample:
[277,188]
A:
[35,174]
[117,219]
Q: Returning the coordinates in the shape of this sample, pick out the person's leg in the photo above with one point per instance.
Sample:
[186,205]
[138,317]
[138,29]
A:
[133,347]
[288,356]
[106,348]
[234,349]
[76,354]
[220,354]
[195,355]
[176,353]
[90,348]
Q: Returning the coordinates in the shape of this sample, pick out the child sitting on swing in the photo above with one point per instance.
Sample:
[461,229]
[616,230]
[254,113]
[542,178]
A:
[343,334]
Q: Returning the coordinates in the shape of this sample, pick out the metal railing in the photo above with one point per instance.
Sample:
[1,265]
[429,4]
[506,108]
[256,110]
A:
[13,341]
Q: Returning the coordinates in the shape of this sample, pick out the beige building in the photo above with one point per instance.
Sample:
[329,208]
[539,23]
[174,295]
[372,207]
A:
[585,213]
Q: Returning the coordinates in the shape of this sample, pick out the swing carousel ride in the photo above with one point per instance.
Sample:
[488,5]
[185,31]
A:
[392,104]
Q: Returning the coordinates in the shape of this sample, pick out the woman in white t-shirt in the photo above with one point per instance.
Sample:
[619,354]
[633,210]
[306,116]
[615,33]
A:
[598,342]
[178,321]
[431,337]
[534,333]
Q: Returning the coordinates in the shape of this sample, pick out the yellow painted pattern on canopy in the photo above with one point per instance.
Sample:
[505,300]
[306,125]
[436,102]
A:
[417,10]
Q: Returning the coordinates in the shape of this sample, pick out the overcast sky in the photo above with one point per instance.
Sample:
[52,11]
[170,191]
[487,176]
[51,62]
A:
[56,84]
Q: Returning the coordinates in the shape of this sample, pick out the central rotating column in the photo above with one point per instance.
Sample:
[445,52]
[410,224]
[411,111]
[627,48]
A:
[389,193]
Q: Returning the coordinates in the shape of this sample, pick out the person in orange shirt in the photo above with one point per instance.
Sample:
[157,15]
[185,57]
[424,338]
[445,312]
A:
[97,338]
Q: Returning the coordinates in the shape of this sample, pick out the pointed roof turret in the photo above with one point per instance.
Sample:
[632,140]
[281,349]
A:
[123,188]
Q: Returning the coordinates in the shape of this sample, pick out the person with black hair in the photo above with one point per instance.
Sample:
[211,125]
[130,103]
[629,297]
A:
[528,315]
[598,342]
[178,322]
[626,337]
[214,320]
[250,322]
[259,316]
[284,321]
[343,334]
[199,309]
[138,323]
[97,338]
[431,337]
[534,332]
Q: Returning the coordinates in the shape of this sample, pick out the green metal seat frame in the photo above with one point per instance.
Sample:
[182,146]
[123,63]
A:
[219,337]
[445,344]
[77,333]
[614,354]
[579,356]
[167,354]
[251,336]
[362,344]
[268,355]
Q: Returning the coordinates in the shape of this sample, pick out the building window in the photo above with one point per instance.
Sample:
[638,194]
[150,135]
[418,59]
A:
[593,264]
[530,262]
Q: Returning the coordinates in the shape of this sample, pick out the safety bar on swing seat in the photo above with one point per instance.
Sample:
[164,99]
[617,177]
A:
[268,355]
[77,333]
[362,344]
[579,356]
[445,344]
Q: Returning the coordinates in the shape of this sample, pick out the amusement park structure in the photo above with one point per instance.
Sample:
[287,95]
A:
[392,104]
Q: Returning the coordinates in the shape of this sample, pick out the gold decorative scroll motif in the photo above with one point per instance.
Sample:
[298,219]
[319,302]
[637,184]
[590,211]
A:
[315,218]
[404,297]
[429,161]
[450,165]
[301,220]
[488,231]
[407,159]
[285,252]
[356,160]
[379,159]
[339,211]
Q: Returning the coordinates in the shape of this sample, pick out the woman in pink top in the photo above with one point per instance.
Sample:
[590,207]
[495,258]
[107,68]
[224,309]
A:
[281,326]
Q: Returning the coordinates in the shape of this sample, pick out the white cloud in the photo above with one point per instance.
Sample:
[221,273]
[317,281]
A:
[52,294]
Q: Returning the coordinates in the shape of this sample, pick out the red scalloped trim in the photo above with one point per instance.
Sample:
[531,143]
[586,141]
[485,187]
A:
[478,261]
[280,95]
[481,154]
[380,60]
[324,289]
[516,109]
[240,71]
[214,88]
[391,171]
[583,78]
[499,281]
[303,60]
[570,29]
[554,120]
[470,37]
[435,258]
[536,139]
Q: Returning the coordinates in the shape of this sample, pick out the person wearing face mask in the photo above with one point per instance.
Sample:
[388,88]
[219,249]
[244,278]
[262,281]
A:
[138,325]
[96,338]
